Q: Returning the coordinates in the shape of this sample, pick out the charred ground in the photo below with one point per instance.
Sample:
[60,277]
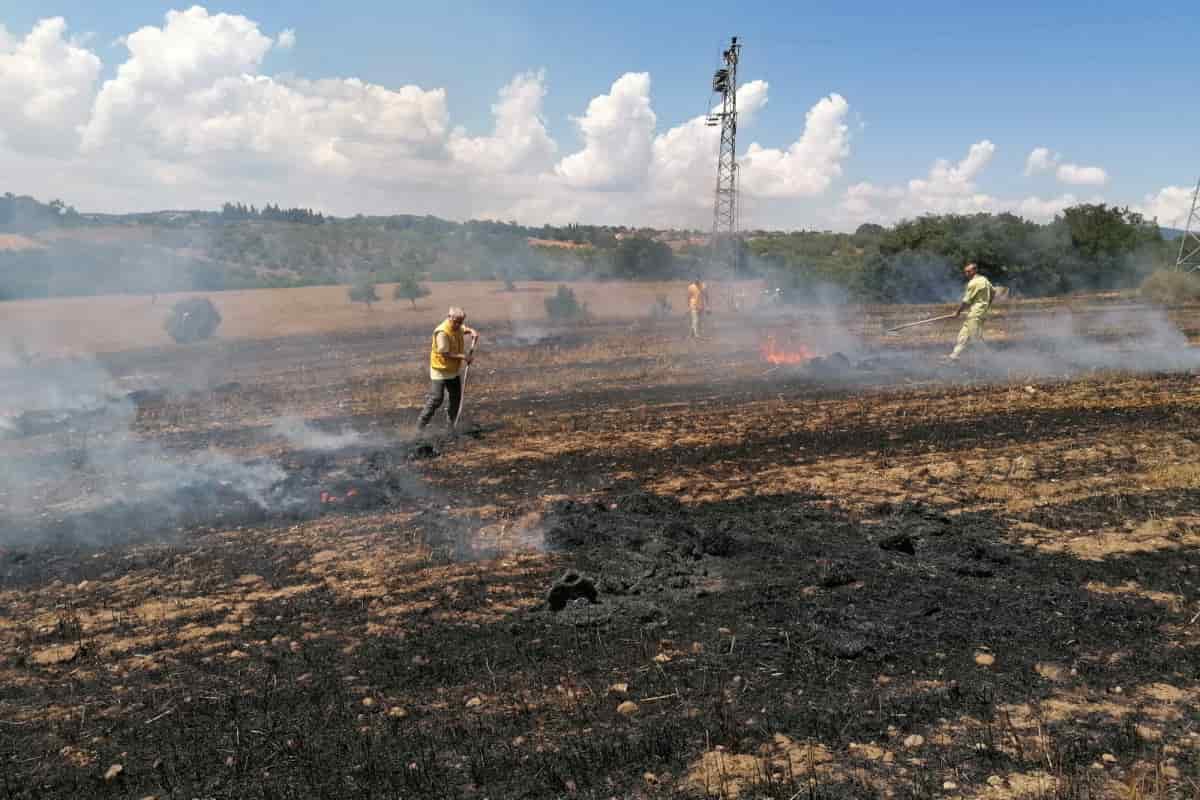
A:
[888,580]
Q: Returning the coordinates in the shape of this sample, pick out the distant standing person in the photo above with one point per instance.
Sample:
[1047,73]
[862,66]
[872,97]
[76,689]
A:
[447,357]
[697,304]
[977,302]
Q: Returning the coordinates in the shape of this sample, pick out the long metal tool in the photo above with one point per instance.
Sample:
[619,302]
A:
[919,322]
[462,397]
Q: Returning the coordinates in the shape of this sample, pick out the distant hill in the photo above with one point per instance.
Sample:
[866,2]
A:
[50,249]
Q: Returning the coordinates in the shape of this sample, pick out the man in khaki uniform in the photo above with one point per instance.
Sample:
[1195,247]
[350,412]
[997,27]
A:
[447,356]
[977,302]
[697,304]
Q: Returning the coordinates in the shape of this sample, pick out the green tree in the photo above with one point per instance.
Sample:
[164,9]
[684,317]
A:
[639,258]
[563,306]
[409,288]
[1110,247]
[363,292]
[1099,231]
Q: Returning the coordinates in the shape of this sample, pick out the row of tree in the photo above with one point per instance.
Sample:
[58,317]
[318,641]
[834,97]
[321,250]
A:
[408,288]
[239,212]
[1087,247]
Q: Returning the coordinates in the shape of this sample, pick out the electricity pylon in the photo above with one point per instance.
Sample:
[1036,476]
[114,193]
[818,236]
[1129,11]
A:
[725,203]
[1189,245]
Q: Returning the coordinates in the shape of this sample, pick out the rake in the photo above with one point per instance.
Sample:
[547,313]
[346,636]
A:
[891,331]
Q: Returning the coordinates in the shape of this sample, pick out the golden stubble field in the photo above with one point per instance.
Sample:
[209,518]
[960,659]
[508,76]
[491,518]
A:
[872,578]
[69,326]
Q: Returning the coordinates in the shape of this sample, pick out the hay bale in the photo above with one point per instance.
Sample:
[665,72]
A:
[192,320]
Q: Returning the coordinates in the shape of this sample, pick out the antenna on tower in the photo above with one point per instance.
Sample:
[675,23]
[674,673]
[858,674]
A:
[725,251]
[1189,245]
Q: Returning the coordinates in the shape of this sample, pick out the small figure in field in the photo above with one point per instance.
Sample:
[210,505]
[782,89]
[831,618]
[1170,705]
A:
[447,357]
[697,304]
[977,302]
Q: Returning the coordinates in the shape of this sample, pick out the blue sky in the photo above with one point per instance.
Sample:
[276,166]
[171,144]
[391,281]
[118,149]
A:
[1104,84]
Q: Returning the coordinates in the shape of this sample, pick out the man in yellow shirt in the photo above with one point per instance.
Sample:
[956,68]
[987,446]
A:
[697,303]
[977,302]
[447,357]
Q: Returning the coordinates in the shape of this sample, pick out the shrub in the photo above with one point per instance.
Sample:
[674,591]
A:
[409,289]
[1169,287]
[563,305]
[192,320]
[363,293]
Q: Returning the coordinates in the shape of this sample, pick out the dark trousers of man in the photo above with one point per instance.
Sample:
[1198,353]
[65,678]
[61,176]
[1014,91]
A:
[437,390]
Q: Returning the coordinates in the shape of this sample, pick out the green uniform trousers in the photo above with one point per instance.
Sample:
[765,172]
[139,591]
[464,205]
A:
[971,332]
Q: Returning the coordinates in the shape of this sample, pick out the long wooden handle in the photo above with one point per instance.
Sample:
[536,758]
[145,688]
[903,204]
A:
[919,322]
[462,398]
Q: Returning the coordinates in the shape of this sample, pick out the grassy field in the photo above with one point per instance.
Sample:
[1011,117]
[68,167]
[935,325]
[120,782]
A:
[865,575]
[71,326]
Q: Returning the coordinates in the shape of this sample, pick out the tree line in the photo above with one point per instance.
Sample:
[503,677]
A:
[1086,247]
[238,212]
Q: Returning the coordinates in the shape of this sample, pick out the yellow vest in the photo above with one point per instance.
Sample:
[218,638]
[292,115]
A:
[439,362]
[696,296]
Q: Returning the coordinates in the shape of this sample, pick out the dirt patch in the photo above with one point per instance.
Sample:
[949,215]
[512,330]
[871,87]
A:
[781,762]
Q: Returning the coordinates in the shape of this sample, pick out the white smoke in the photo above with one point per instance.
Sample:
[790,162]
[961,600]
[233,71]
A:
[68,447]
[304,436]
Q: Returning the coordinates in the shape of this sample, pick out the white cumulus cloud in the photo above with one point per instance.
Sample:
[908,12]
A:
[618,131]
[1170,205]
[1081,176]
[949,188]
[955,179]
[952,188]
[751,99]
[675,187]
[191,53]
[46,86]
[810,164]
[684,166]
[519,140]
[190,94]
[189,118]
[1040,159]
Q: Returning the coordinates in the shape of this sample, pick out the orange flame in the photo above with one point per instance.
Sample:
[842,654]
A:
[772,353]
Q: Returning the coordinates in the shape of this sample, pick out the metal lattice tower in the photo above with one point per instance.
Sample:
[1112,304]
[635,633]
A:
[1189,245]
[725,203]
